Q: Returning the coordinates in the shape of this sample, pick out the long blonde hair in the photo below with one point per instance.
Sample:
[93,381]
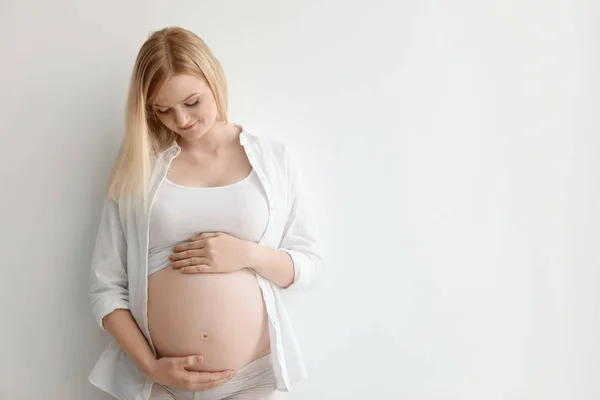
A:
[165,53]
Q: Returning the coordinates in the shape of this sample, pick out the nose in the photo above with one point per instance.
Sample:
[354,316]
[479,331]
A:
[181,118]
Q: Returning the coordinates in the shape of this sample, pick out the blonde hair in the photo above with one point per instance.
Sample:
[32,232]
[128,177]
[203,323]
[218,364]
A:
[167,52]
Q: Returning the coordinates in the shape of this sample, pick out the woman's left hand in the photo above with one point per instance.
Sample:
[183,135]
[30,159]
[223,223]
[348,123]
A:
[210,253]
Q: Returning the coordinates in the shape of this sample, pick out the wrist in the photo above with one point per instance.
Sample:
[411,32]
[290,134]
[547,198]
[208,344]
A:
[251,254]
[148,367]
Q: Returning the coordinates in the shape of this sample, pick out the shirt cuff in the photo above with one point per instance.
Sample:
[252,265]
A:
[105,306]
[301,264]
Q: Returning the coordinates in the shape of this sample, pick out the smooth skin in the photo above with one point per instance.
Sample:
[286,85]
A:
[217,252]
[175,371]
[211,155]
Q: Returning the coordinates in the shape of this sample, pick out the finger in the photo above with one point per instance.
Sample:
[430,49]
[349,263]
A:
[190,360]
[198,244]
[197,269]
[188,262]
[207,380]
[187,254]
[204,235]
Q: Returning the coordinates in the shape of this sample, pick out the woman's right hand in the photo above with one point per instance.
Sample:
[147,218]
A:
[173,371]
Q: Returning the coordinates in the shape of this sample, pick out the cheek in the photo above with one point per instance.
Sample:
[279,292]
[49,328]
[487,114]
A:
[166,121]
[211,111]
[207,112]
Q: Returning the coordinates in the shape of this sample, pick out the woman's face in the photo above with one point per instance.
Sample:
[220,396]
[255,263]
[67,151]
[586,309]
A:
[185,104]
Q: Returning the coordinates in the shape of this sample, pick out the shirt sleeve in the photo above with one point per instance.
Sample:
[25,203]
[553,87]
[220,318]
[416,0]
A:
[300,233]
[109,284]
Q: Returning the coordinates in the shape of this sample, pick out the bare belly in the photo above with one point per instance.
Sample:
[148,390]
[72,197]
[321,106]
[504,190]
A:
[219,316]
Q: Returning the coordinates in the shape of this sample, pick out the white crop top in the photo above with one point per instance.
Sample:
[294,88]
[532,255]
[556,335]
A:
[181,212]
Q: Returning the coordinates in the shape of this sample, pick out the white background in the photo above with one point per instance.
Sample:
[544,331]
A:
[453,148]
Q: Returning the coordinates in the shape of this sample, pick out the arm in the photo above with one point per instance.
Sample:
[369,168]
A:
[123,328]
[297,260]
[274,265]
[174,371]
[293,264]
[109,285]
[109,293]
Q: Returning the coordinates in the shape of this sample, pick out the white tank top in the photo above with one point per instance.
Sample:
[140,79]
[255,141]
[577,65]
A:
[181,212]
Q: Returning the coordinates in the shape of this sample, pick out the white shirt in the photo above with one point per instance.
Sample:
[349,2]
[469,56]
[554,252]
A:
[119,276]
[179,212]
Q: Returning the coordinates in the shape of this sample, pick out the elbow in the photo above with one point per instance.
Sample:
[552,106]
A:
[105,304]
[307,268]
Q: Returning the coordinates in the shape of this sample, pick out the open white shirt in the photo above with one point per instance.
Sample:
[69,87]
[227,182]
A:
[119,278]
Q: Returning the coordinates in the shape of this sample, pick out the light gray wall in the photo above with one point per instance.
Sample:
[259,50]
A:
[453,146]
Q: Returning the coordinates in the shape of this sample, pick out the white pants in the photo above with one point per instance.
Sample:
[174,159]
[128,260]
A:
[255,381]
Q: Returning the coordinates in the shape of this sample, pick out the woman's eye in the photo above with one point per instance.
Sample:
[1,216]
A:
[162,111]
[194,104]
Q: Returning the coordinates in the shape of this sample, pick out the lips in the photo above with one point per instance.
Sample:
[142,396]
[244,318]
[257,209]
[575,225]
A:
[186,128]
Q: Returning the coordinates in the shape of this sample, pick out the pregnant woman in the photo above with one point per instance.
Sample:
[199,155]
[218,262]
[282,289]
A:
[205,224]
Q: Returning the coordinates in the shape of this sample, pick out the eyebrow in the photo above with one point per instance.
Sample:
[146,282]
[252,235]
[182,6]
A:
[186,99]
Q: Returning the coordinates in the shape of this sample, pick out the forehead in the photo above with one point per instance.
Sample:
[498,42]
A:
[178,88]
